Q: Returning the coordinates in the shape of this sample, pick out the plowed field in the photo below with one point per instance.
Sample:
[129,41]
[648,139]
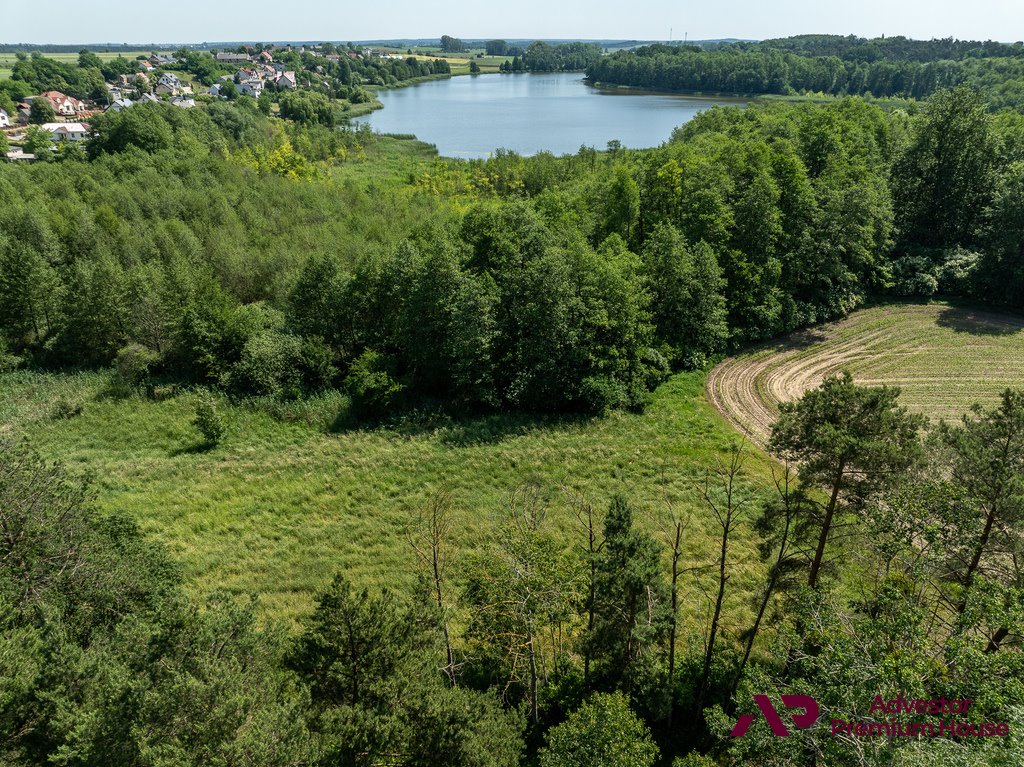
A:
[944,358]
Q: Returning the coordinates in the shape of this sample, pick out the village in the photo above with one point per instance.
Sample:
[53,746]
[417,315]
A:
[52,118]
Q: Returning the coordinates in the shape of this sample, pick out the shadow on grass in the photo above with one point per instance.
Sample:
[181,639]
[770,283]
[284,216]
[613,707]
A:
[197,449]
[458,430]
[978,322]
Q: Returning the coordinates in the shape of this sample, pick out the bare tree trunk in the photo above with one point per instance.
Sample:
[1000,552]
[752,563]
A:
[727,516]
[430,543]
[585,515]
[972,567]
[826,527]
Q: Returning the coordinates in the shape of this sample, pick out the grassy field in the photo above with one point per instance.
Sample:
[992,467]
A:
[282,505]
[7,59]
[459,62]
[943,357]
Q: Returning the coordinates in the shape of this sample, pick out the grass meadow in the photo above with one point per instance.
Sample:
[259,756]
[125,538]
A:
[285,502]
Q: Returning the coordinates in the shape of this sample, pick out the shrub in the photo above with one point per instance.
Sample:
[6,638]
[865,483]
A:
[63,409]
[603,731]
[131,369]
[209,422]
[373,390]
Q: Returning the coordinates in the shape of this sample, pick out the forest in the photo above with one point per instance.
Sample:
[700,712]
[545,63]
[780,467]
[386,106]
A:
[887,68]
[221,250]
[200,250]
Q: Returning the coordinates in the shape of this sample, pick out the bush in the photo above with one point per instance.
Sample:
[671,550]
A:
[131,369]
[603,731]
[8,361]
[599,394]
[270,366]
[63,409]
[373,390]
[209,422]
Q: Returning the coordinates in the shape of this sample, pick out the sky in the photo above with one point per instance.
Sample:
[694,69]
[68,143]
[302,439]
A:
[196,21]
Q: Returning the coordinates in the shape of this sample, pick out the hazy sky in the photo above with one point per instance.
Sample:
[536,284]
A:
[63,21]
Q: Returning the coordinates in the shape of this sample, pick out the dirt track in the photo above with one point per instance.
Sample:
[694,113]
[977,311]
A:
[944,358]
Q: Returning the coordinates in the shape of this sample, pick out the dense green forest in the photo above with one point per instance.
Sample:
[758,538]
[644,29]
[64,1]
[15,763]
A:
[270,259]
[838,66]
[216,246]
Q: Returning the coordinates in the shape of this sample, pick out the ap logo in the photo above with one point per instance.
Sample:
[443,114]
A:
[802,721]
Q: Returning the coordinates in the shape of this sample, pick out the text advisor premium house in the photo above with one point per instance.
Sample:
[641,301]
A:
[67,131]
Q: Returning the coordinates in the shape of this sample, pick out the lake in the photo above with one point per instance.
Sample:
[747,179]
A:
[470,116]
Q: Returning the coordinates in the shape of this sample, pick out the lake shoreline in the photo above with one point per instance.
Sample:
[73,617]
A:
[557,112]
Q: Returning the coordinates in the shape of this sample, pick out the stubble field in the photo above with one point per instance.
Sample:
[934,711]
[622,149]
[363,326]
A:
[943,357]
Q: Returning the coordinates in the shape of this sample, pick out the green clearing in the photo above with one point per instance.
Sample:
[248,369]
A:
[281,506]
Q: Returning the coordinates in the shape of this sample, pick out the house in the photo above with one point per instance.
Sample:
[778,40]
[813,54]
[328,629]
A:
[251,88]
[215,90]
[169,84]
[128,81]
[120,104]
[286,80]
[183,102]
[246,74]
[233,57]
[266,57]
[5,119]
[17,155]
[145,66]
[66,106]
[67,131]
[160,60]
[148,98]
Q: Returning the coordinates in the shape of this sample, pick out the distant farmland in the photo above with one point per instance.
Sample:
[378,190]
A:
[943,357]
[7,59]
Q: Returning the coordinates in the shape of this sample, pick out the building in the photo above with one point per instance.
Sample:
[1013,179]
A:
[184,102]
[16,155]
[66,106]
[5,119]
[286,81]
[266,57]
[233,57]
[67,131]
[251,88]
[120,104]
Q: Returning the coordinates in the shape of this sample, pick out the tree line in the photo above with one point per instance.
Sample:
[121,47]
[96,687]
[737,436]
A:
[771,69]
[554,284]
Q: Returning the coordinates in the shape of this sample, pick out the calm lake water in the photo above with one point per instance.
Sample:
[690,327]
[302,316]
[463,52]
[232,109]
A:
[471,116]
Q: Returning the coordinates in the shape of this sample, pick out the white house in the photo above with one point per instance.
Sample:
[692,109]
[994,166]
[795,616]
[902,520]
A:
[120,104]
[63,104]
[287,80]
[183,101]
[251,88]
[67,131]
[5,119]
